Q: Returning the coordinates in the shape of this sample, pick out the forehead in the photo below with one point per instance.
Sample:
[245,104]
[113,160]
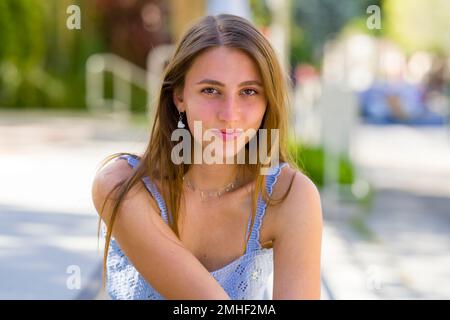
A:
[222,63]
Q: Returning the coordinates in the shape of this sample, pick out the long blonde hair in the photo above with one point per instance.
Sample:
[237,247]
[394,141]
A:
[210,31]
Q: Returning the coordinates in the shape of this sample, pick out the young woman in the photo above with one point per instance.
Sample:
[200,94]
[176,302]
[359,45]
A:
[202,230]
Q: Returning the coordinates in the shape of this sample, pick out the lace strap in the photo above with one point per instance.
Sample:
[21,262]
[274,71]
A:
[271,179]
[151,187]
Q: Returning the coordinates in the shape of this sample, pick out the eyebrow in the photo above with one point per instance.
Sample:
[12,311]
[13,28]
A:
[218,83]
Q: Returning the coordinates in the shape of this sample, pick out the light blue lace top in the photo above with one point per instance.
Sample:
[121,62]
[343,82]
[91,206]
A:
[246,278]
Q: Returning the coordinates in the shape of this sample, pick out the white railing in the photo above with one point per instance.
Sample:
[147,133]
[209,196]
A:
[124,75]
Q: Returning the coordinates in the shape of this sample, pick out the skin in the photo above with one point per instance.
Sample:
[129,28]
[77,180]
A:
[230,105]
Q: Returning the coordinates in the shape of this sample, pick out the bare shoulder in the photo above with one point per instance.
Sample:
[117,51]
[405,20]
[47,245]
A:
[296,184]
[111,174]
[302,202]
[298,236]
[145,237]
[106,179]
[114,170]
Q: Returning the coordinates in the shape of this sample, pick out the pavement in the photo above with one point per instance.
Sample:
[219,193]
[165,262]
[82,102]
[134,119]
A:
[397,248]
[399,245]
[48,233]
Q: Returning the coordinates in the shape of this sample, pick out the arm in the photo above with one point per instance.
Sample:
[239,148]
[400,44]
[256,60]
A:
[297,246]
[150,244]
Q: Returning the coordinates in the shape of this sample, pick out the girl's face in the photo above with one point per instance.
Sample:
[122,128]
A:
[223,89]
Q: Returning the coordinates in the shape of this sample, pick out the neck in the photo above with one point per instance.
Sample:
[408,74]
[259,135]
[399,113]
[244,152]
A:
[212,176]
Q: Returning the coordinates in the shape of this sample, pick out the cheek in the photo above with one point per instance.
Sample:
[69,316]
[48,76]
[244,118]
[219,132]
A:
[204,113]
[203,108]
[256,113]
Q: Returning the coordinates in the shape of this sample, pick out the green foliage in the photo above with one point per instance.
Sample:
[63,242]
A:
[419,24]
[21,51]
[42,63]
[301,47]
[261,12]
[311,160]
[21,23]
[315,22]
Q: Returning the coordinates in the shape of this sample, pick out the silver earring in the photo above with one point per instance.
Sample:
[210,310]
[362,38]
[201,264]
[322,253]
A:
[180,122]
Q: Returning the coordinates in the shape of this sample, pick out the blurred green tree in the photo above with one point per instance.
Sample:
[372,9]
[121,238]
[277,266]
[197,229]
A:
[41,61]
[21,50]
[312,160]
[315,22]
[419,24]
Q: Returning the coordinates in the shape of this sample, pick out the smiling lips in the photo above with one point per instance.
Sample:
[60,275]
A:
[228,134]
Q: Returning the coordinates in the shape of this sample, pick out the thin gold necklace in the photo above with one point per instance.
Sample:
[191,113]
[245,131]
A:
[212,193]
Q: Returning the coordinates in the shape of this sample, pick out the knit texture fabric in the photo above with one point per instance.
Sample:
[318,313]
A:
[245,278]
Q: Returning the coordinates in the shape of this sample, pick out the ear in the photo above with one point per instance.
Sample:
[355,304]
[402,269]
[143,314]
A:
[178,100]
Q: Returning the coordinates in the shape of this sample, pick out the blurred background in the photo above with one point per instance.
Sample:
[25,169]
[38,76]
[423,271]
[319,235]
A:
[369,124]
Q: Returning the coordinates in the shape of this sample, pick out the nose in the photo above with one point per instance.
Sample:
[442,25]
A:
[230,110]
